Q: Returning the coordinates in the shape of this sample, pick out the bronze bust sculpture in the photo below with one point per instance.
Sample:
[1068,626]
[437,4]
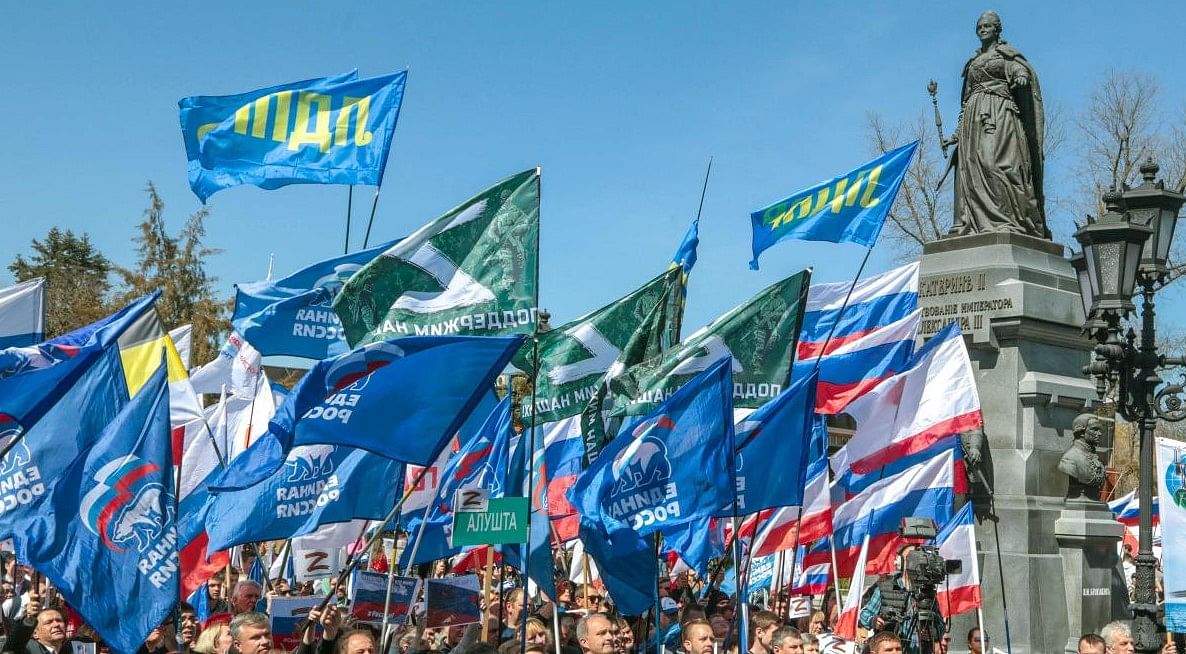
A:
[998,161]
[1080,462]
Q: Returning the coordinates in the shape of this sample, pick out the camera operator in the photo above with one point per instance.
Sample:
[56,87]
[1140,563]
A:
[900,613]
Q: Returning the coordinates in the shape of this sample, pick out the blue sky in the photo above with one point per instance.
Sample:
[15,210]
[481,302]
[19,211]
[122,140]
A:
[621,103]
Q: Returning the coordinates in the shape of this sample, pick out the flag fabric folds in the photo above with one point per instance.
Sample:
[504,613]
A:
[33,378]
[935,399]
[846,626]
[857,345]
[957,542]
[22,314]
[924,491]
[772,450]
[669,469]
[816,522]
[1127,509]
[401,399]
[318,484]
[481,463]
[332,130]
[472,271]
[760,335]
[294,316]
[1171,486]
[850,208]
[105,533]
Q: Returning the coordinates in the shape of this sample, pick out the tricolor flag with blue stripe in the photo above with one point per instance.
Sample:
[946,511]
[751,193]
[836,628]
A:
[858,344]
[22,314]
[850,208]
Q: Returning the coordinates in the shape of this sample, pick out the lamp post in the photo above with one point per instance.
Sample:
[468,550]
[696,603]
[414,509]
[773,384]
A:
[1126,247]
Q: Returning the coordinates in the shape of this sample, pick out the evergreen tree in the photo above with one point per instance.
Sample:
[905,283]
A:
[76,275]
[176,266]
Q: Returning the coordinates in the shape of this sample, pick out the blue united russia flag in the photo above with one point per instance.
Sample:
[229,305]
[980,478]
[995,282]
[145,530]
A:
[332,130]
[849,208]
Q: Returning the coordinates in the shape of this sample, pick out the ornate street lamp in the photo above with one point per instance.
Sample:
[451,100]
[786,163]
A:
[1127,246]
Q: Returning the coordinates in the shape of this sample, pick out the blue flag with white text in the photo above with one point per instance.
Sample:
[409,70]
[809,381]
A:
[33,379]
[850,208]
[401,399]
[317,485]
[105,533]
[333,130]
[669,469]
[772,449]
[294,316]
[480,463]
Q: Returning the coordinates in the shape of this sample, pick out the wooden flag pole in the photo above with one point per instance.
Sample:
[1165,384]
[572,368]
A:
[486,594]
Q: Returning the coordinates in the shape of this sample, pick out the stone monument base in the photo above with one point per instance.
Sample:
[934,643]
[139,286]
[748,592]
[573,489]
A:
[1087,538]
[1017,301]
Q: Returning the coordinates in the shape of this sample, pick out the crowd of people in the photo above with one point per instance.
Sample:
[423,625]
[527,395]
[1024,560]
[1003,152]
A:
[581,620]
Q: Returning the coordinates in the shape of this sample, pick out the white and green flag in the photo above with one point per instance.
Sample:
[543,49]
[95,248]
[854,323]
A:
[471,271]
[575,356]
[761,335]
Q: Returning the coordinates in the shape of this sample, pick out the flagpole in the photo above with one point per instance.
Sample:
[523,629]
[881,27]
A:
[371,221]
[349,210]
[843,306]
[420,532]
[980,621]
[835,581]
[742,574]
[486,590]
[1000,566]
[531,435]
[391,566]
[352,561]
[658,606]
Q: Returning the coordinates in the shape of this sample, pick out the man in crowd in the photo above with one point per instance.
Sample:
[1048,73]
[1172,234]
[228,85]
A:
[885,642]
[356,641]
[251,633]
[871,619]
[512,616]
[762,625]
[187,619]
[698,637]
[246,595]
[595,634]
[786,640]
[49,630]
[1118,640]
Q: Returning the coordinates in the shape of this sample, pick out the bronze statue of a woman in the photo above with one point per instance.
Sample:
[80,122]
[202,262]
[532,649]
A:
[999,161]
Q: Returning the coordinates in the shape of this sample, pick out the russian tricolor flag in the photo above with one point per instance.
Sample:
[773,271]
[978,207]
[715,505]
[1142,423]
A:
[1127,509]
[564,450]
[846,626]
[872,336]
[817,495]
[934,400]
[923,491]
[957,542]
[812,579]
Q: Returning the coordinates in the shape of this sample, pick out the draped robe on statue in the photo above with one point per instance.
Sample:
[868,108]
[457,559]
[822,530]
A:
[999,166]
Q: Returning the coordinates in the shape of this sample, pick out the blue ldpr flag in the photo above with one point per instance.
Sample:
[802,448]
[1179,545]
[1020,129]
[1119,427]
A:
[685,254]
[669,469]
[317,485]
[850,208]
[480,463]
[294,316]
[105,532]
[401,399]
[33,379]
[333,130]
[773,449]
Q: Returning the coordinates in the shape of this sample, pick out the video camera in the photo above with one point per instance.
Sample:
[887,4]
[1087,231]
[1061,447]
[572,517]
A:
[924,568]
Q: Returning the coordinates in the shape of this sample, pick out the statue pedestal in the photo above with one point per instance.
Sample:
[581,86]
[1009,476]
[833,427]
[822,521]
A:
[1017,300]
[1087,536]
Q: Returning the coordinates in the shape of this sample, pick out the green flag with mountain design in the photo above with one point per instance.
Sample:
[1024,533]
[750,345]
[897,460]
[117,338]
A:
[761,335]
[471,271]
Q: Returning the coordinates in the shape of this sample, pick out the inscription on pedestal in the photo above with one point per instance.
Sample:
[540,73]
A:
[965,298]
